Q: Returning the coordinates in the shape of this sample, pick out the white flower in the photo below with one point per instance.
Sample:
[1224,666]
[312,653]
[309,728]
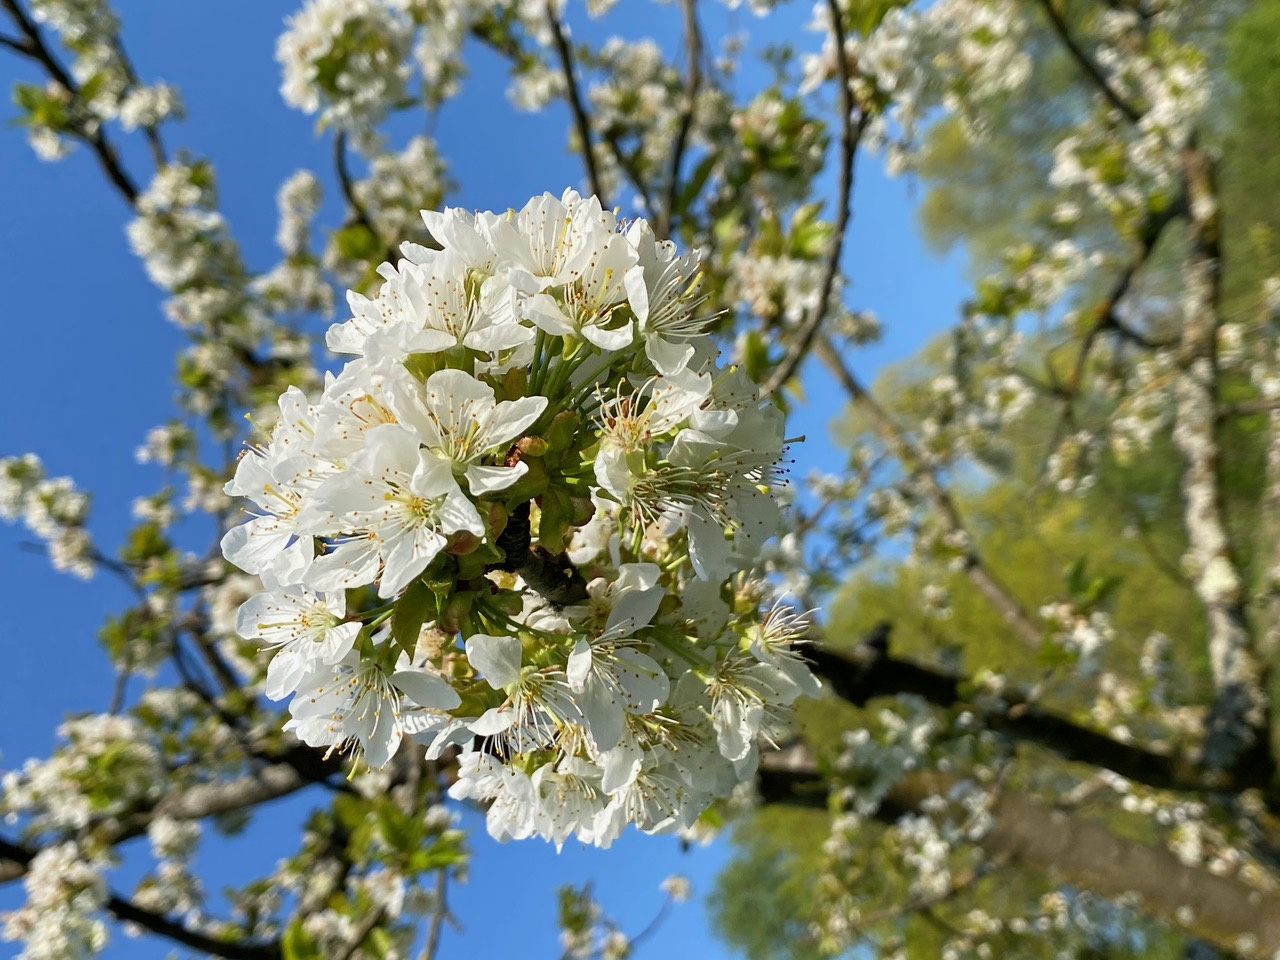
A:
[391,513]
[346,60]
[610,676]
[274,479]
[303,626]
[677,887]
[538,703]
[662,294]
[585,306]
[461,422]
[356,704]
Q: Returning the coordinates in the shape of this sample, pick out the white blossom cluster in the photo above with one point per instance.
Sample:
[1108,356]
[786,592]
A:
[345,60]
[351,63]
[107,88]
[59,793]
[953,54]
[1123,167]
[62,918]
[297,284]
[1083,634]
[553,489]
[777,286]
[175,226]
[51,508]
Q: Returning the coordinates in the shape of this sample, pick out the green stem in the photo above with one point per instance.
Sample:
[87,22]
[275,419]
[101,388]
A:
[540,361]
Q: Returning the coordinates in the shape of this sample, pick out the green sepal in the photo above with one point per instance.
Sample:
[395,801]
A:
[456,610]
[533,446]
[557,515]
[474,563]
[515,384]
[562,431]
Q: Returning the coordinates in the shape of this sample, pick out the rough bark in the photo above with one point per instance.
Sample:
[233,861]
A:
[1235,726]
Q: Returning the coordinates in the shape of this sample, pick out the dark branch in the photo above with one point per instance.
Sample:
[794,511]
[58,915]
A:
[1070,848]
[581,120]
[347,184]
[627,163]
[1087,63]
[692,87]
[129,912]
[850,135]
[33,46]
[868,671]
[552,576]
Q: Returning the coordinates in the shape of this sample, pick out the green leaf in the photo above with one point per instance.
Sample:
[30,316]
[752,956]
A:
[357,242]
[755,356]
[297,944]
[410,614]
[694,185]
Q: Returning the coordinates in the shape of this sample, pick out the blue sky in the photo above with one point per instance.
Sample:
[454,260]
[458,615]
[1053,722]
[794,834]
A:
[90,370]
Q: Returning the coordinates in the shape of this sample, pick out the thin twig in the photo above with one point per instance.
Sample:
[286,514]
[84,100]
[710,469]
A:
[439,915]
[347,184]
[689,106]
[35,48]
[150,130]
[850,134]
[581,120]
[1247,408]
[652,926]
[1087,63]
[918,465]
[627,164]
[371,920]
[958,885]
[1106,319]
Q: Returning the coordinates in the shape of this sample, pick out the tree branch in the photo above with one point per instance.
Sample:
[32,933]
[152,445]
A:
[688,107]
[917,465]
[347,185]
[1074,850]
[129,912]
[868,671]
[33,46]
[850,135]
[1087,63]
[581,120]
[1237,725]
[157,923]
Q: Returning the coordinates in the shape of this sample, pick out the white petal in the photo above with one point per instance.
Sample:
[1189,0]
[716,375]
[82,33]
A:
[496,658]
[634,609]
[642,679]
[484,480]
[493,721]
[579,668]
[667,357]
[426,688]
[610,340]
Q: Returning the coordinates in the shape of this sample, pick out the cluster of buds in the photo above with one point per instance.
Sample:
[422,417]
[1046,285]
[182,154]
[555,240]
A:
[522,525]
